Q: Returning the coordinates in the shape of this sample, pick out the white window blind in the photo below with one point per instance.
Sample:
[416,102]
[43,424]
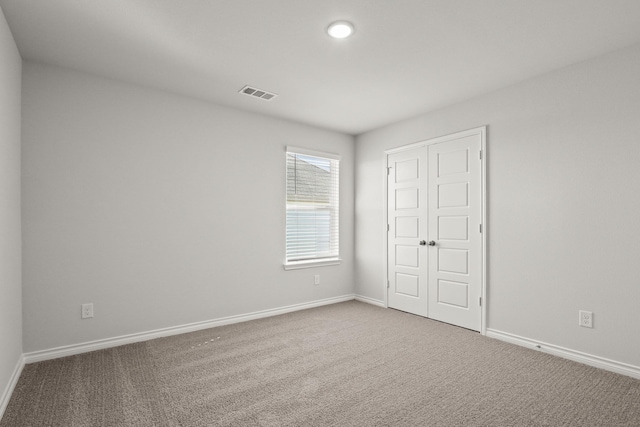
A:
[312,206]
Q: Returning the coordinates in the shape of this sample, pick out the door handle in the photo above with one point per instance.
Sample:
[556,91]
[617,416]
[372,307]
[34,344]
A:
[431,243]
[423,242]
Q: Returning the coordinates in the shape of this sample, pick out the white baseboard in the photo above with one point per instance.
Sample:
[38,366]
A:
[8,391]
[566,353]
[70,350]
[368,300]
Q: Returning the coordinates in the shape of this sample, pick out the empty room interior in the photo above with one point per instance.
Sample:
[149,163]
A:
[226,213]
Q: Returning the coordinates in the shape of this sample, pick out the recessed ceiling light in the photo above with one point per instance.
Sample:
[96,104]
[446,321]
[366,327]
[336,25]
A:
[340,29]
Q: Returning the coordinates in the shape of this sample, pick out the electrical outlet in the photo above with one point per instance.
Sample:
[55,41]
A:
[87,310]
[316,279]
[585,319]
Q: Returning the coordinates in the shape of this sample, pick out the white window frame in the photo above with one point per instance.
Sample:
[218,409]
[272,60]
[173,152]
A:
[321,261]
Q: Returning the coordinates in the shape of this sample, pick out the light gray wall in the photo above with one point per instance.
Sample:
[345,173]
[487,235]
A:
[563,203]
[159,209]
[10,240]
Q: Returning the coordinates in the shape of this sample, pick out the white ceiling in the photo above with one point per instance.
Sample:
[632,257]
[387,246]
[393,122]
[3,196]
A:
[406,57]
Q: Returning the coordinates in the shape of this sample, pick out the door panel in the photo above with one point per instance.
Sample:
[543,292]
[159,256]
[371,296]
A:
[408,285]
[407,198]
[408,170]
[453,261]
[453,162]
[453,195]
[406,204]
[453,228]
[407,226]
[453,293]
[454,216]
[407,256]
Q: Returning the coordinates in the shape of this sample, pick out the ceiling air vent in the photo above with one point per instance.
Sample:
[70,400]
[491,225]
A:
[258,93]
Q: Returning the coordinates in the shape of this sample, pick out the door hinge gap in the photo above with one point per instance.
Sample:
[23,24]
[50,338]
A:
[481,228]
[480,154]
[480,301]
[388,227]
[388,170]
[387,284]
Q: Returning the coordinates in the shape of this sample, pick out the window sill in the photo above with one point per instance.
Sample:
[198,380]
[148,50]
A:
[313,263]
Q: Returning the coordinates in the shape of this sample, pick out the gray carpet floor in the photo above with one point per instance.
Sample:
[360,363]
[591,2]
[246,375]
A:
[347,364]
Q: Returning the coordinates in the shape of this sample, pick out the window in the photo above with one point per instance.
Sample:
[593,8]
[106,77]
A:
[312,229]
